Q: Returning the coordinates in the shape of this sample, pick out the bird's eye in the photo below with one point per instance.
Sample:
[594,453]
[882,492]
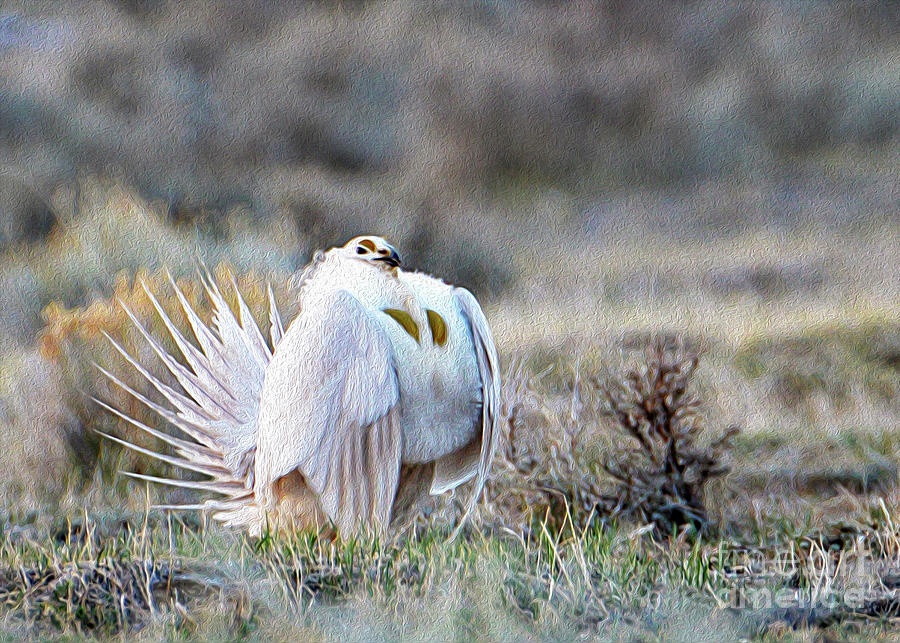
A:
[360,251]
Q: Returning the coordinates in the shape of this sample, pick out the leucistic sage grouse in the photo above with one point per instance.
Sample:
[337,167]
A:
[385,387]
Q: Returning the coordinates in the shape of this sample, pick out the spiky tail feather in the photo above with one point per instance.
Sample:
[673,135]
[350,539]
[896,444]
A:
[219,405]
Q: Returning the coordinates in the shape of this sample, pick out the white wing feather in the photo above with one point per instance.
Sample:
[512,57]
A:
[472,461]
[328,409]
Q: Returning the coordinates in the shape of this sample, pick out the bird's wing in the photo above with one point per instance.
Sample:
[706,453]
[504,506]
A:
[475,459]
[329,409]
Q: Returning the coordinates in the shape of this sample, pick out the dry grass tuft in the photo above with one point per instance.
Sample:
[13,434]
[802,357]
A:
[86,597]
[545,465]
[83,580]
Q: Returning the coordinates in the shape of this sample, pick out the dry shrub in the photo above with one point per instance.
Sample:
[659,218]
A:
[102,597]
[544,466]
[562,457]
[527,482]
[91,580]
[75,340]
[660,476]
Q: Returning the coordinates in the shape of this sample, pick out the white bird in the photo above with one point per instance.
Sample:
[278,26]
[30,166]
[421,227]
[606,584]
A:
[383,388]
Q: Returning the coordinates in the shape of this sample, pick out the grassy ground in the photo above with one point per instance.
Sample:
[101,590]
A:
[805,543]
[157,577]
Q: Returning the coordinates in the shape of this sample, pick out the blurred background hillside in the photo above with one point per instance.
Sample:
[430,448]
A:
[727,170]
[447,123]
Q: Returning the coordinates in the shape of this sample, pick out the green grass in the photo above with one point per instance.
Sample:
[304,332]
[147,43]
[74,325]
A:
[159,575]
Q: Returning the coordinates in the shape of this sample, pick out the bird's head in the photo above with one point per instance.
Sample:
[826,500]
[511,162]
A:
[373,249]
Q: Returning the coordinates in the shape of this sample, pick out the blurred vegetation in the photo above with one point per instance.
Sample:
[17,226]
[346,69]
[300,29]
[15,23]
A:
[463,131]
[213,103]
[453,127]
[104,229]
[827,370]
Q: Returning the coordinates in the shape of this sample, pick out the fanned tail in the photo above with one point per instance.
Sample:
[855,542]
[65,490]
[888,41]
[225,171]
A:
[219,402]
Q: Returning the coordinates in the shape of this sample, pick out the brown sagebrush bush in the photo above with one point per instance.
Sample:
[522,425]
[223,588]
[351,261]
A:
[543,468]
[661,472]
[76,340]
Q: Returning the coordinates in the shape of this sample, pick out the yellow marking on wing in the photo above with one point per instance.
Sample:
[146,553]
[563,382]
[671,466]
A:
[405,320]
[438,327]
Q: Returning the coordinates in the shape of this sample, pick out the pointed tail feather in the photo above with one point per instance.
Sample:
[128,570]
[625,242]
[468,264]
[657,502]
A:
[218,405]
[276,330]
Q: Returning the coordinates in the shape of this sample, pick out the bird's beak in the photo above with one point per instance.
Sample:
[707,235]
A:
[392,259]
